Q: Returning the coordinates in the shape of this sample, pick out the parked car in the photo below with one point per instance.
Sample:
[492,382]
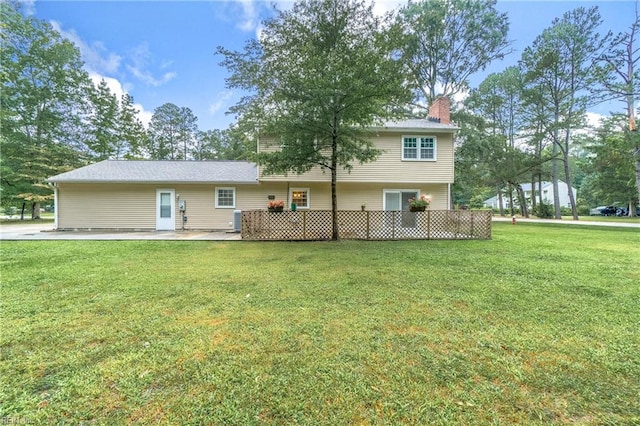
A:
[597,211]
[609,211]
[623,211]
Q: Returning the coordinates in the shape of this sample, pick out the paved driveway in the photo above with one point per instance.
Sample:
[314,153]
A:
[45,231]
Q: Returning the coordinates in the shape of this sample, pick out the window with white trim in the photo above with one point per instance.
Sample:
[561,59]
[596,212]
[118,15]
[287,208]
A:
[225,197]
[300,196]
[419,148]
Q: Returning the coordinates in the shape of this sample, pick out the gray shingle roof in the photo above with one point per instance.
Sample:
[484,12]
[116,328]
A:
[146,171]
[418,124]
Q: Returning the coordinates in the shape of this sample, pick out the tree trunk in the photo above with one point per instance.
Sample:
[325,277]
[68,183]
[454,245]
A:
[500,201]
[636,155]
[510,189]
[554,177]
[567,172]
[533,193]
[24,205]
[523,201]
[35,210]
[567,178]
[540,188]
[334,178]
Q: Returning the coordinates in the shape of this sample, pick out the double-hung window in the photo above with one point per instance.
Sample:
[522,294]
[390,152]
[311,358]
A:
[225,197]
[420,148]
[300,196]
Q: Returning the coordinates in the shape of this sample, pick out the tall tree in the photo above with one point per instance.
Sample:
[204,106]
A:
[319,75]
[43,100]
[130,130]
[621,79]
[171,133]
[228,144]
[447,41]
[559,66]
[102,135]
[498,100]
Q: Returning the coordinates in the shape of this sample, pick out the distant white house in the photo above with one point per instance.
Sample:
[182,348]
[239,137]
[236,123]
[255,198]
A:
[547,195]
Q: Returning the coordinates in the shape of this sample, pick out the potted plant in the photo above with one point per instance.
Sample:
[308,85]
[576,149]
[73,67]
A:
[275,206]
[419,204]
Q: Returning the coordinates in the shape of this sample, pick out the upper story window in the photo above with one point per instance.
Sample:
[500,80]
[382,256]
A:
[225,197]
[419,148]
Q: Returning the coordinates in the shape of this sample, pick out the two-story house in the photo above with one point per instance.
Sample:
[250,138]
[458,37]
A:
[417,159]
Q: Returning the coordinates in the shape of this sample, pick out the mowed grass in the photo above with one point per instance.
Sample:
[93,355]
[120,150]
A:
[538,326]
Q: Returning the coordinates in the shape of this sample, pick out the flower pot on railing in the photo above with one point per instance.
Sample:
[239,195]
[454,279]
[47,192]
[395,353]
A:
[417,208]
[275,206]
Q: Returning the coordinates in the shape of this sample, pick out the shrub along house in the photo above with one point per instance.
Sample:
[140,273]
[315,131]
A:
[417,159]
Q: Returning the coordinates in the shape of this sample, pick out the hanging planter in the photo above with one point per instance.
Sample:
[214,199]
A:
[419,204]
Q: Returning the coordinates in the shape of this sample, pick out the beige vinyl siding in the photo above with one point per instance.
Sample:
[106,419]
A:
[351,195]
[388,167]
[133,206]
[258,197]
[87,206]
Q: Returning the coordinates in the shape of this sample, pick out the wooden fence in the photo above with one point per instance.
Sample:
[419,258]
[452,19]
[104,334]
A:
[367,225]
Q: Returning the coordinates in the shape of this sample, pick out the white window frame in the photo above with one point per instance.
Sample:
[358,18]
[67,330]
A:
[217,197]
[292,190]
[396,191]
[419,149]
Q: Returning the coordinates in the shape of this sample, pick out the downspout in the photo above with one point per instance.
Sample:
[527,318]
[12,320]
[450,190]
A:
[55,206]
[449,196]
[258,152]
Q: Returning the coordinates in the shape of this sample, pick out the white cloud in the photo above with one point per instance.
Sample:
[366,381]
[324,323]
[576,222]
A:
[223,97]
[28,7]
[114,85]
[100,63]
[245,13]
[141,58]
[95,55]
[143,115]
[381,7]
[249,20]
[594,119]
[118,89]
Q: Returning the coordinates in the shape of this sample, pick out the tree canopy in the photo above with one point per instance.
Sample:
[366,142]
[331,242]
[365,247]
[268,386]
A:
[43,99]
[447,41]
[319,75]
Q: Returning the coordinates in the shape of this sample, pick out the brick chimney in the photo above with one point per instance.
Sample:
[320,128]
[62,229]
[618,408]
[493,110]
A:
[440,110]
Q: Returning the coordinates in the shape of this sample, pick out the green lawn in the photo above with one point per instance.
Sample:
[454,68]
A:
[538,326]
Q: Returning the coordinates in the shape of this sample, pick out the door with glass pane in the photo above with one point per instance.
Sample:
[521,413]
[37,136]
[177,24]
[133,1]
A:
[165,210]
[398,200]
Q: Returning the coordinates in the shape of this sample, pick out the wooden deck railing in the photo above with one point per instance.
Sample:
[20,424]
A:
[367,225]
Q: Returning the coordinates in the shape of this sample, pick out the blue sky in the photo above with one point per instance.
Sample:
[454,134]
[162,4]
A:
[164,51]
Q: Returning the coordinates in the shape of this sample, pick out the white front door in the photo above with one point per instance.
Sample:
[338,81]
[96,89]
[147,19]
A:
[165,210]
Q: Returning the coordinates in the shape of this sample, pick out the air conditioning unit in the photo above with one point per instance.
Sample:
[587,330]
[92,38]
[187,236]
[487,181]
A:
[237,220]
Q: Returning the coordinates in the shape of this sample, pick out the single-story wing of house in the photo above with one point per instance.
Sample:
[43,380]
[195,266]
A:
[155,195]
